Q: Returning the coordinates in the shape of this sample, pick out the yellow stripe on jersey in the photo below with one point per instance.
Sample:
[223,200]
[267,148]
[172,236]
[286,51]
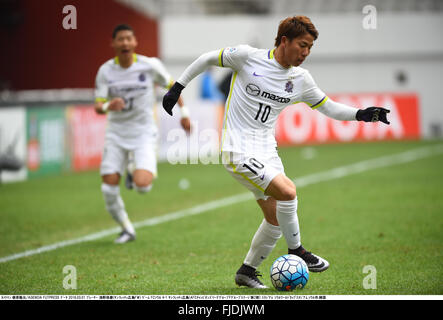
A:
[271,54]
[234,168]
[227,109]
[320,103]
[98,99]
[220,58]
[134,59]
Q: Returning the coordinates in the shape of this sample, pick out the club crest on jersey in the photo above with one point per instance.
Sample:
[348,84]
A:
[289,86]
[142,77]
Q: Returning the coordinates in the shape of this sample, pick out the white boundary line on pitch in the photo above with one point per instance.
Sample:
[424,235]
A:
[335,173]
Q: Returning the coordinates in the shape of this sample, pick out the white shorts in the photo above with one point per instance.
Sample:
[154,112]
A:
[254,172]
[115,157]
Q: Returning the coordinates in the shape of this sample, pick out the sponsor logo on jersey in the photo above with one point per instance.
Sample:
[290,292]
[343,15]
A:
[274,97]
[123,91]
[253,89]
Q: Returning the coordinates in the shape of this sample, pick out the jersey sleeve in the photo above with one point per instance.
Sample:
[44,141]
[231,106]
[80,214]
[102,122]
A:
[101,86]
[312,95]
[234,57]
[161,75]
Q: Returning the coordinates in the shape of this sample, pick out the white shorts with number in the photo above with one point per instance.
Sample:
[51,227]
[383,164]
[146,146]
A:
[254,172]
[115,157]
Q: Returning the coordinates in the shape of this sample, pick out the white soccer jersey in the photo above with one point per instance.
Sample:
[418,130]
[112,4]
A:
[136,86]
[260,89]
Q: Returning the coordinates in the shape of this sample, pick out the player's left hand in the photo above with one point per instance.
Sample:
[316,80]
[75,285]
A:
[186,124]
[373,114]
[171,97]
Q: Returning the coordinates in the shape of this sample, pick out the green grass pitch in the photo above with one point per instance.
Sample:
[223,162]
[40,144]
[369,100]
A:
[390,218]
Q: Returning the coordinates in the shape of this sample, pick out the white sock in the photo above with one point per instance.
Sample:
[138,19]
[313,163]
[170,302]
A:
[262,244]
[116,207]
[142,189]
[288,220]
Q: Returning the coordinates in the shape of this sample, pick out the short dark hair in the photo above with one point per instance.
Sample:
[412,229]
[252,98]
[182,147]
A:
[121,27]
[294,27]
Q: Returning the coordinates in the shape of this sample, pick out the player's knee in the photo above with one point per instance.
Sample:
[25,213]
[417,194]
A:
[282,188]
[143,183]
[288,194]
[111,179]
[142,178]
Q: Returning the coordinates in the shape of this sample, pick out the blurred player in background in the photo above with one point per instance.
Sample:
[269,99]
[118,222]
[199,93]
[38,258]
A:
[125,91]
[264,82]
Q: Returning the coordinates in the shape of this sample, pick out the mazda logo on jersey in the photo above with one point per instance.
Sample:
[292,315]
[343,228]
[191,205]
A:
[252,89]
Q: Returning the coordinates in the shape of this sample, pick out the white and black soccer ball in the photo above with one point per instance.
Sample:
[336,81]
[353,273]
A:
[289,272]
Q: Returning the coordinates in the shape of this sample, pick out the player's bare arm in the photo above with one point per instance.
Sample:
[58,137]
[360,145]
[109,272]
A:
[185,120]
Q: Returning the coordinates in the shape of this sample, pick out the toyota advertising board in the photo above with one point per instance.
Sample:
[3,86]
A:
[297,124]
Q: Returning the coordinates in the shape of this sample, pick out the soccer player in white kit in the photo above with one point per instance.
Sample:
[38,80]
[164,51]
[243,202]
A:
[125,91]
[264,82]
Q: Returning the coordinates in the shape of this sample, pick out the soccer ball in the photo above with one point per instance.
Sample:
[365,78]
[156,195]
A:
[289,272]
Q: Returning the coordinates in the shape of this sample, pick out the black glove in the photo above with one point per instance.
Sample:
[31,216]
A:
[373,114]
[171,97]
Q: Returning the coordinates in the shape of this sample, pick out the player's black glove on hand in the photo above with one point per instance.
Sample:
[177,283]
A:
[171,97]
[373,114]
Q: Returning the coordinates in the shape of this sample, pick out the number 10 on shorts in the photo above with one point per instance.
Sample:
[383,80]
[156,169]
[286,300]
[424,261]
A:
[254,164]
